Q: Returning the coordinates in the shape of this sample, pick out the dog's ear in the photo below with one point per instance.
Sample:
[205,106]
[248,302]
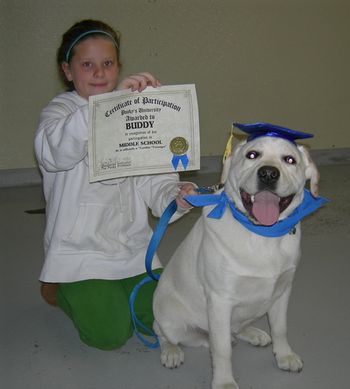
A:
[225,169]
[311,171]
[228,160]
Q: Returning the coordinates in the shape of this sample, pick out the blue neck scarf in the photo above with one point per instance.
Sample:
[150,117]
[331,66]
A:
[282,227]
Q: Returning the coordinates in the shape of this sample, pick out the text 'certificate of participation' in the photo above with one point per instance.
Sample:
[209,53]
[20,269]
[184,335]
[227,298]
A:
[141,133]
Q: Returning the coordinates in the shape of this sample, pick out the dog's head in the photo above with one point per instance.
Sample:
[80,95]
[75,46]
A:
[265,178]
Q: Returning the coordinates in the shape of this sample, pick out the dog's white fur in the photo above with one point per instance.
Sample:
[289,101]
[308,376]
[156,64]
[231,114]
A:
[223,277]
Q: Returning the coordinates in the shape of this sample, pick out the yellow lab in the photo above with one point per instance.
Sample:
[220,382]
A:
[238,264]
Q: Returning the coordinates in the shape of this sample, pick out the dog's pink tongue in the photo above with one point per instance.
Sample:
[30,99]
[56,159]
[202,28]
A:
[266,208]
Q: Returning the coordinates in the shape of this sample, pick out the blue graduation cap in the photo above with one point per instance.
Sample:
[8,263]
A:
[256,130]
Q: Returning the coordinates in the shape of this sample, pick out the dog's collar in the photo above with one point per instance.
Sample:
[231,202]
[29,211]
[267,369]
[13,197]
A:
[282,227]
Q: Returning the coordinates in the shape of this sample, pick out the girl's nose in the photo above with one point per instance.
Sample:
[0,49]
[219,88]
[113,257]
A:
[98,71]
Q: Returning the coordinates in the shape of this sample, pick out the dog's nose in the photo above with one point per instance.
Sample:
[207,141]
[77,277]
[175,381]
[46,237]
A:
[268,175]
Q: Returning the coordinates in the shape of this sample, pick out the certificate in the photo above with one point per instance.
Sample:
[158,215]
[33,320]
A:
[149,132]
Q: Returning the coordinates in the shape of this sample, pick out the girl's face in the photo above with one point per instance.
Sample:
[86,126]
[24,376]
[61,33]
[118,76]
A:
[93,68]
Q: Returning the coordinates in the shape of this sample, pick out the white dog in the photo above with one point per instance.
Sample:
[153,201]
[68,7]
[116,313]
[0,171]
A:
[223,276]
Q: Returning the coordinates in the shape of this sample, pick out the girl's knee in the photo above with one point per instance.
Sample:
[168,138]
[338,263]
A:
[108,339]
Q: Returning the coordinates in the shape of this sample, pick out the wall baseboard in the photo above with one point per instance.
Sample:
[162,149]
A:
[20,177]
[213,164]
[209,164]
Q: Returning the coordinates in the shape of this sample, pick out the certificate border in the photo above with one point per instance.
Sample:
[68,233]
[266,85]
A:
[188,90]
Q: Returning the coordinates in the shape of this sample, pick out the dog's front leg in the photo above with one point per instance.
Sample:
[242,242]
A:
[285,357]
[219,317]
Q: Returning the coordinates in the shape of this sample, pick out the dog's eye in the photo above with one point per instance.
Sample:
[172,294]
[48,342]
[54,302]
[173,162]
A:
[290,160]
[252,154]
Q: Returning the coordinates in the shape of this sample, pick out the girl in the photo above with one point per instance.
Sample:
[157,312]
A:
[96,234]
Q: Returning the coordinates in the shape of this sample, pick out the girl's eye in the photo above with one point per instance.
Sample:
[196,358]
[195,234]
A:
[290,160]
[108,63]
[252,154]
[87,65]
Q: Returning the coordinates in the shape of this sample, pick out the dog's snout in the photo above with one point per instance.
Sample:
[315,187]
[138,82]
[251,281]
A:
[268,175]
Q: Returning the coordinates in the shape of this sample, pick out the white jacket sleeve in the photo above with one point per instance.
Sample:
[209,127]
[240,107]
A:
[62,136]
[158,191]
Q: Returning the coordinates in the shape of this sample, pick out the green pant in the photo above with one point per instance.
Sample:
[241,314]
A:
[100,310]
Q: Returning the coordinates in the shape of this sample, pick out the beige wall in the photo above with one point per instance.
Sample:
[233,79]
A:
[282,61]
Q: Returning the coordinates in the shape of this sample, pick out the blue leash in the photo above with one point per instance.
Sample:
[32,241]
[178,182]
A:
[151,250]
[157,237]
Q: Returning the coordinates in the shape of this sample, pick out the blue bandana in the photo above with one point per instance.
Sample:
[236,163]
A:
[283,227]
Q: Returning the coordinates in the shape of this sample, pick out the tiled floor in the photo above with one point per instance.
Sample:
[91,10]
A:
[39,347]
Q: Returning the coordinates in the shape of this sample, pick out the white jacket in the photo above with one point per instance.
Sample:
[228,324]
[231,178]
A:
[98,230]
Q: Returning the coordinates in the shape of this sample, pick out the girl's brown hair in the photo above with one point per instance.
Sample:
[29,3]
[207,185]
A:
[72,35]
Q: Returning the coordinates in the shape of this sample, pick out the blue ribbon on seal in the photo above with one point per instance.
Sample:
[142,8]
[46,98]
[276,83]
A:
[177,158]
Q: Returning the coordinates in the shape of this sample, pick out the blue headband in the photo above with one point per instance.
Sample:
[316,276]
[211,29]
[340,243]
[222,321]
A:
[88,33]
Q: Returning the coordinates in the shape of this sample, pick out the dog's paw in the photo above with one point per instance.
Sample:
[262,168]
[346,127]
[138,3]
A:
[171,356]
[291,362]
[255,336]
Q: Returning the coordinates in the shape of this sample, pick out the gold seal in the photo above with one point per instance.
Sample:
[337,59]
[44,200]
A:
[178,145]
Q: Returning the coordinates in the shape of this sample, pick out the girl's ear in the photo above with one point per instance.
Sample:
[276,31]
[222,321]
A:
[66,70]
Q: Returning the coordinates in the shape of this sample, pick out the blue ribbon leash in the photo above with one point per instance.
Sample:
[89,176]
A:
[151,250]
[136,322]
[157,237]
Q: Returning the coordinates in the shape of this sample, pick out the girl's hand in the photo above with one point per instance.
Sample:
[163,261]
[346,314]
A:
[138,82]
[185,190]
